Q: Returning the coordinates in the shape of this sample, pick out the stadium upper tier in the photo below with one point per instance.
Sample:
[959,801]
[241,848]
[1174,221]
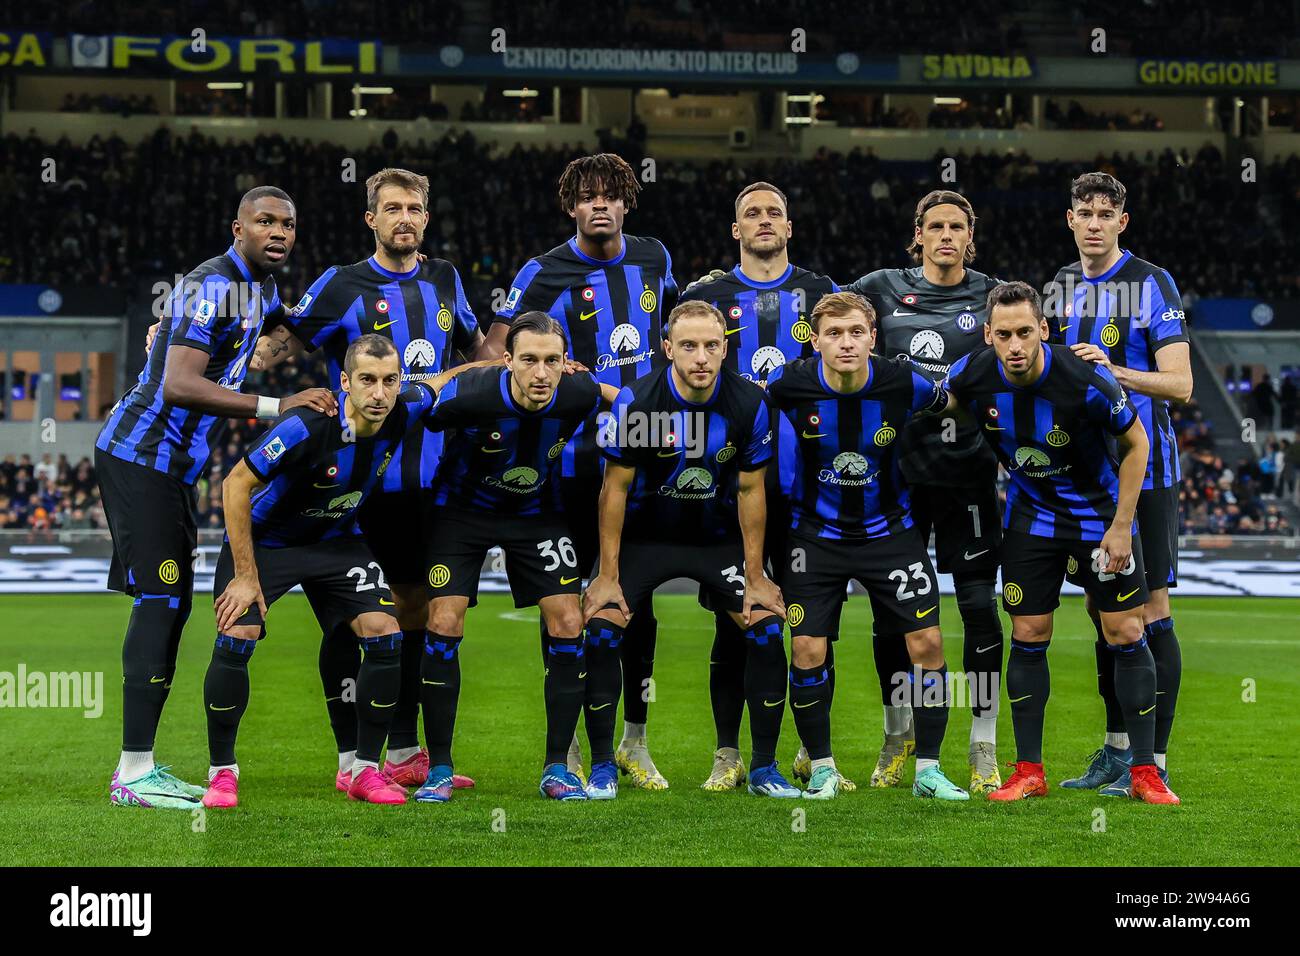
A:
[119,213]
[1151,28]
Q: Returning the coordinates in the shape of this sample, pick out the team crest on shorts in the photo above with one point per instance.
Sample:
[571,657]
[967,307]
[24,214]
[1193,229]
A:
[169,572]
[1012,594]
[439,576]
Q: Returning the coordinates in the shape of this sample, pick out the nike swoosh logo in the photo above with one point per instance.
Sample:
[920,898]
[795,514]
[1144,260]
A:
[567,580]
[773,703]
[156,680]
[1125,597]
[802,706]
[1143,713]
[435,683]
[1066,328]
[582,675]
[493,451]
[921,614]
[374,703]
[818,435]
[318,485]
[670,454]
[897,312]
[1016,700]
[1159,692]
[972,557]
[994,428]
[240,344]
[735,330]
[608,703]
[981,650]
[588,315]
[380,327]
[386,603]
[215,707]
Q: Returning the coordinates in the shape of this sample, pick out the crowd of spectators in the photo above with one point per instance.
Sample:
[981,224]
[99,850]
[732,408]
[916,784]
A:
[875,27]
[1074,116]
[48,494]
[121,213]
[130,105]
[1218,497]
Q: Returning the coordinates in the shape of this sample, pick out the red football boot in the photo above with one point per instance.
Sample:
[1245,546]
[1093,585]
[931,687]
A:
[1029,780]
[1147,786]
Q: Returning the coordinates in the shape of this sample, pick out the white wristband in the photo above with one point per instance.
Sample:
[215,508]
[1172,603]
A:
[268,407]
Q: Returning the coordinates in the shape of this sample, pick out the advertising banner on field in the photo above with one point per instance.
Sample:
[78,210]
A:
[1219,567]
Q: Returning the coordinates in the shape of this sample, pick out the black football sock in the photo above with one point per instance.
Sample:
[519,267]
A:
[892,663]
[929,693]
[1028,686]
[810,699]
[173,647]
[1135,686]
[829,664]
[339,659]
[225,695]
[148,666]
[727,679]
[404,732]
[1168,656]
[1106,682]
[604,682]
[638,650]
[379,681]
[439,694]
[982,644]
[765,678]
[564,689]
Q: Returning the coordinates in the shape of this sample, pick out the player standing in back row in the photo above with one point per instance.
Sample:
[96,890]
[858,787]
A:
[154,445]
[420,306]
[934,314]
[610,292]
[1125,314]
[765,301]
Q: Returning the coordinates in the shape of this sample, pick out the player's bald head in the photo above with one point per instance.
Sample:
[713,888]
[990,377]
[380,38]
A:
[248,202]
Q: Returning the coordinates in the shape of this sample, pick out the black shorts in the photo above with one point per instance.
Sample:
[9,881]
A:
[895,570]
[967,525]
[718,567]
[341,579]
[1157,517]
[539,553]
[397,529]
[580,500]
[778,529]
[151,518]
[1033,568]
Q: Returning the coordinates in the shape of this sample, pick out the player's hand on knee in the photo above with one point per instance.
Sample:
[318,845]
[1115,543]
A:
[317,399]
[601,592]
[240,594]
[1116,549]
[762,592]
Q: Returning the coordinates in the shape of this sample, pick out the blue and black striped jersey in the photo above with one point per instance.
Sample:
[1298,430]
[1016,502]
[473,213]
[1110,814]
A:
[932,326]
[1054,438]
[317,474]
[839,453]
[423,311]
[502,458]
[1132,311]
[767,322]
[688,455]
[218,309]
[612,311]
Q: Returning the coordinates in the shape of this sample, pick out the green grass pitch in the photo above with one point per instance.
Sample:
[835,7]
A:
[1233,762]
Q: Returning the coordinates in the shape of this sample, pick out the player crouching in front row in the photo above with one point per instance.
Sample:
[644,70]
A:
[840,418]
[497,485]
[1050,417]
[686,449]
[291,519]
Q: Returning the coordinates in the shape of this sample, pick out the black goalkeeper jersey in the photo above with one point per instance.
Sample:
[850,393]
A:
[933,326]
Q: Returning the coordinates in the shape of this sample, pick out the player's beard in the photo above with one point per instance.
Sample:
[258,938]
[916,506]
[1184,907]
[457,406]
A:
[769,253]
[396,251]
